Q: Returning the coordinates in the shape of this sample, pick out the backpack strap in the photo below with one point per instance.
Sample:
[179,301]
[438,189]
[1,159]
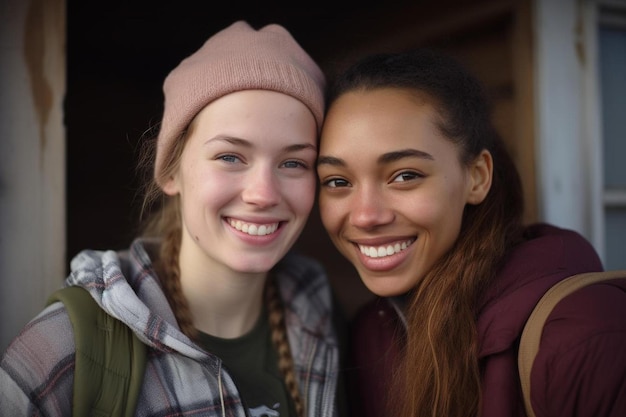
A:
[531,336]
[110,359]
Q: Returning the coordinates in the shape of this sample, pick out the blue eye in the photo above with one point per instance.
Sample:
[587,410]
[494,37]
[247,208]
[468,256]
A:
[229,158]
[294,164]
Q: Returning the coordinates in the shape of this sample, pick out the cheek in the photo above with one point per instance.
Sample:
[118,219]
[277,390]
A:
[301,194]
[207,187]
[330,213]
[438,214]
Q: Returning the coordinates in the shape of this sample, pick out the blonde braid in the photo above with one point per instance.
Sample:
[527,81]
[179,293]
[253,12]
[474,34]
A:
[169,269]
[279,339]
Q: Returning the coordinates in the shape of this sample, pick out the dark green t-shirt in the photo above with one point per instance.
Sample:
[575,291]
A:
[252,361]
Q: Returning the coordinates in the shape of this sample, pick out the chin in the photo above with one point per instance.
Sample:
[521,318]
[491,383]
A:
[386,286]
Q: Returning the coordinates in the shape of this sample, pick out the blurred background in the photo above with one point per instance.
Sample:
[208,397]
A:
[80,85]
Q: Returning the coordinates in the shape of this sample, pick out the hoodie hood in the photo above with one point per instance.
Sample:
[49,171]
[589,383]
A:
[125,285]
[549,255]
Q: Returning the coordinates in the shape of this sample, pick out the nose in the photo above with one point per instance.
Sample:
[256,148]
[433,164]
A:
[370,209]
[262,188]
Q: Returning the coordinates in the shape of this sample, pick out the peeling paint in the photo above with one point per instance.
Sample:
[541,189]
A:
[36,34]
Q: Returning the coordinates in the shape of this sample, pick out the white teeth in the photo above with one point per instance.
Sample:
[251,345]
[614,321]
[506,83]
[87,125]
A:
[253,229]
[381,251]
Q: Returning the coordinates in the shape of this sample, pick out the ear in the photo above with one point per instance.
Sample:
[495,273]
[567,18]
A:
[170,187]
[481,174]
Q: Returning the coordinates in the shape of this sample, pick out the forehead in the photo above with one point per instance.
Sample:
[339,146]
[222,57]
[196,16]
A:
[379,120]
[256,114]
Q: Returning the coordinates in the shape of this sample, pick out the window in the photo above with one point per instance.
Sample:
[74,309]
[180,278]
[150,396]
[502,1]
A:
[612,83]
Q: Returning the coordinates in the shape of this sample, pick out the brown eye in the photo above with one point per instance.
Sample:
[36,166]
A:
[407,176]
[336,183]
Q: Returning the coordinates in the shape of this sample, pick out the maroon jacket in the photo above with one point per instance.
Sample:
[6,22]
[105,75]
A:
[580,369]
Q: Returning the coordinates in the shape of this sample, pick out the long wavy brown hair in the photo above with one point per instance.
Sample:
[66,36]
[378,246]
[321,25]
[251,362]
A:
[161,218]
[439,373]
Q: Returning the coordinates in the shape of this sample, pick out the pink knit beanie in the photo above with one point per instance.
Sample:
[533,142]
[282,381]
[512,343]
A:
[234,59]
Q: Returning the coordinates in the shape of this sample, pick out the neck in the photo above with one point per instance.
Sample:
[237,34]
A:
[225,307]
[223,302]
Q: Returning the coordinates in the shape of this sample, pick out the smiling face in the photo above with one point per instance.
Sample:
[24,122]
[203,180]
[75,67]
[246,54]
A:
[246,181]
[393,189]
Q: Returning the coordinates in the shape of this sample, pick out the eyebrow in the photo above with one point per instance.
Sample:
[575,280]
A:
[229,139]
[383,159]
[330,160]
[300,147]
[245,143]
[404,153]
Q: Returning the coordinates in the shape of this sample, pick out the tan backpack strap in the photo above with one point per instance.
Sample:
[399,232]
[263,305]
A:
[531,336]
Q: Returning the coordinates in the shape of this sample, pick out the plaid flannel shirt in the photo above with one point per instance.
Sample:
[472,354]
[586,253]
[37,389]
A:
[36,371]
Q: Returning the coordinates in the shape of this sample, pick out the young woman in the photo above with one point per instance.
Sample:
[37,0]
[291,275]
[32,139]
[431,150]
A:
[418,192]
[235,324]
